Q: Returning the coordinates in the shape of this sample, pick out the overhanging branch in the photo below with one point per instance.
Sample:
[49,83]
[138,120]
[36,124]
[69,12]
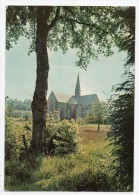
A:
[77,20]
[55,18]
[86,24]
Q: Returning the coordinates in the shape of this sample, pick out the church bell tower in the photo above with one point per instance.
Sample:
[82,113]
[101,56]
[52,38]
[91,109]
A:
[78,89]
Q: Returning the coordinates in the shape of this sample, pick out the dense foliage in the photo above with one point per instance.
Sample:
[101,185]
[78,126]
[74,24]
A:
[125,37]
[14,132]
[20,162]
[61,136]
[122,132]
[122,105]
[88,29]
[99,114]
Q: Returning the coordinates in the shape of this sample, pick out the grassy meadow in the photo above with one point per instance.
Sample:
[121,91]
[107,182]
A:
[88,169]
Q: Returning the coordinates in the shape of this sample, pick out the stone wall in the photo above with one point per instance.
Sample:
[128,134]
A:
[51,103]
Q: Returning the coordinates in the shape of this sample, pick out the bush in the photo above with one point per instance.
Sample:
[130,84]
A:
[60,135]
[12,148]
[81,121]
[13,138]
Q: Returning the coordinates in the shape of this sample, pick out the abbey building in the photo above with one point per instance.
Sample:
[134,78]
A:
[71,106]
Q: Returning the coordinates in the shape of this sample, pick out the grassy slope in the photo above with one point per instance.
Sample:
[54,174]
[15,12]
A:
[86,170]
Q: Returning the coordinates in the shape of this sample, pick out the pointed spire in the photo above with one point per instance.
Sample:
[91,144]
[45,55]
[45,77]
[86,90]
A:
[77,89]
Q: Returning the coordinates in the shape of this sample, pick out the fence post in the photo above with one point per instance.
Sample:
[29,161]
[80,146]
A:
[25,145]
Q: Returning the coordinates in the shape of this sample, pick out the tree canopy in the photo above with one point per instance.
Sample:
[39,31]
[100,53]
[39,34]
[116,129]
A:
[89,30]
[99,114]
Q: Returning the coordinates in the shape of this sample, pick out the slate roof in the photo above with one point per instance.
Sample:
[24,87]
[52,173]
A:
[86,99]
[72,100]
[61,97]
[66,98]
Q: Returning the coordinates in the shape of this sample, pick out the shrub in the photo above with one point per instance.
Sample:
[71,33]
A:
[11,146]
[60,135]
[81,121]
[13,138]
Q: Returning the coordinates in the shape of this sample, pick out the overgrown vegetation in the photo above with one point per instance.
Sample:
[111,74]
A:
[77,157]
[14,131]
[61,136]
[20,161]
[68,166]
[64,168]
[86,170]
[122,131]
[122,104]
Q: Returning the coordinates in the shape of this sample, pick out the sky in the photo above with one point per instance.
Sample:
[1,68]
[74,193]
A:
[98,79]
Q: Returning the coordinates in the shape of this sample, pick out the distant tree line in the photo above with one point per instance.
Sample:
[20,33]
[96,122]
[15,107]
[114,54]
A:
[17,108]
[19,104]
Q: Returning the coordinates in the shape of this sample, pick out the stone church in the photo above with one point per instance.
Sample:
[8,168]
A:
[71,106]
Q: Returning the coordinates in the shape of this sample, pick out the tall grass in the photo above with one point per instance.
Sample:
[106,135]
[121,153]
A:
[87,170]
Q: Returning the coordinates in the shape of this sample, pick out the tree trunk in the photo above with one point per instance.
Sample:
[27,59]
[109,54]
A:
[39,103]
[98,128]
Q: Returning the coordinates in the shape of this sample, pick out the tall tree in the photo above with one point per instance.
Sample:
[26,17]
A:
[122,132]
[100,112]
[122,104]
[87,29]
